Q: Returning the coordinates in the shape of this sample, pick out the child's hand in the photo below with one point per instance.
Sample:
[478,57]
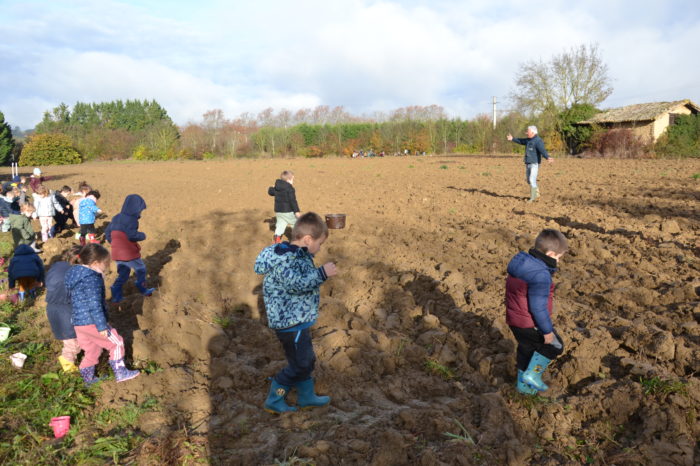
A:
[297,214]
[104,333]
[330,269]
[548,338]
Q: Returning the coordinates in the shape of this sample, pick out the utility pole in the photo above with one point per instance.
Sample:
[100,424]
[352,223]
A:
[494,112]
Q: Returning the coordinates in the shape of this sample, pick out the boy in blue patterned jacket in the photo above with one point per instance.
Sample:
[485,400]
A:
[291,294]
[87,213]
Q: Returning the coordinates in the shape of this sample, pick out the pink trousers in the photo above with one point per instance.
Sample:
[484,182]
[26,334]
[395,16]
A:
[93,343]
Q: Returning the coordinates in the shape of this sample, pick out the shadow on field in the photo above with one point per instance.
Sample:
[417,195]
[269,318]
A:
[125,318]
[487,193]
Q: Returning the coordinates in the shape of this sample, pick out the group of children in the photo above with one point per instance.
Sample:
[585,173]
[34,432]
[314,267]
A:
[75,290]
[77,309]
[291,294]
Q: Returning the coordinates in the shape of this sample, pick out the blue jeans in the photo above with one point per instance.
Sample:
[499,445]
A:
[531,170]
[124,270]
[300,357]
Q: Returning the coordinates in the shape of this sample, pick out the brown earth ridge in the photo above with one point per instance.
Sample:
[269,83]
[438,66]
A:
[411,340]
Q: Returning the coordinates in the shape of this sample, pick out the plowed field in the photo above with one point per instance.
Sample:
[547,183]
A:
[411,341]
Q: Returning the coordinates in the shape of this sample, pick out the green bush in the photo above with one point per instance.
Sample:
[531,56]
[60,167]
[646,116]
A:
[49,149]
[681,139]
[575,136]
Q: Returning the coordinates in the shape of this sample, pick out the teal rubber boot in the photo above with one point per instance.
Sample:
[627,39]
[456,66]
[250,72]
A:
[306,396]
[522,387]
[533,375]
[275,402]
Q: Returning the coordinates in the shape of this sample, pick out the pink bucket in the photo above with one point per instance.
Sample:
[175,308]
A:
[60,425]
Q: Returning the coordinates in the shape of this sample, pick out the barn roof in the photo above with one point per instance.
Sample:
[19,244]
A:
[639,112]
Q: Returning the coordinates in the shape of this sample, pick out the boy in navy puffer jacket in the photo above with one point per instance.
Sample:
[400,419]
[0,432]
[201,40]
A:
[123,234]
[291,295]
[27,269]
[529,294]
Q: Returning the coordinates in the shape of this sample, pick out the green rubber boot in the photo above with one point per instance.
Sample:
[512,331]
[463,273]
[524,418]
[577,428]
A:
[533,194]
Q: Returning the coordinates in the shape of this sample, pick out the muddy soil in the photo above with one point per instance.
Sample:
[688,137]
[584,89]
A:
[411,340]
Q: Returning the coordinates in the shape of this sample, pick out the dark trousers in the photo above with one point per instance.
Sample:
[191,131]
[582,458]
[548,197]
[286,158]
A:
[86,228]
[530,341]
[300,357]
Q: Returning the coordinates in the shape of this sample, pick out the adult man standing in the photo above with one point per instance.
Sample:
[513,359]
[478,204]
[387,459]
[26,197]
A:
[534,151]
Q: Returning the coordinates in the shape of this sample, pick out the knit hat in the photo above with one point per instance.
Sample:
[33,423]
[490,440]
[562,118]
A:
[37,171]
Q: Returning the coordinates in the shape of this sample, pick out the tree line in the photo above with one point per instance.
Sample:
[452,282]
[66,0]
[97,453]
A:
[553,94]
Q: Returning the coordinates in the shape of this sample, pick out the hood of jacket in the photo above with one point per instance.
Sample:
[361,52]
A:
[272,256]
[281,185]
[133,205]
[77,273]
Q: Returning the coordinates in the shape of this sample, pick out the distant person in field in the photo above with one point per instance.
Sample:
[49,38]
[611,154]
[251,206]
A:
[26,270]
[87,214]
[534,151]
[62,216]
[86,288]
[291,294]
[529,298]
[286,206]
[36,180]
[59,310]
[124,236]
[83,189]
[21,227]
[6,208]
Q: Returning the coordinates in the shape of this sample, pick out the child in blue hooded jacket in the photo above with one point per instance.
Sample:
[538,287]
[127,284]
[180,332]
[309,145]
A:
[291,295]
[124,236]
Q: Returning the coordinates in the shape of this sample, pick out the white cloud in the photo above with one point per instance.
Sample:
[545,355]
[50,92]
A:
[364,55]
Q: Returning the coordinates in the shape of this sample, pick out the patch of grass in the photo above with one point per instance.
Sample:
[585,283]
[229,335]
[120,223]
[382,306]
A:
[486,174]
[531,402]
[463,435]
[127,416]
[149,367]
[658,386]
[223,321]
[30,397]
[462,167]
[443,167]
[294,461]
[696,176]
[434,367]
[411,166]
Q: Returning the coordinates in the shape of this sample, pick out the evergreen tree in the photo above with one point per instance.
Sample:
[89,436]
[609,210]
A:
[7,143]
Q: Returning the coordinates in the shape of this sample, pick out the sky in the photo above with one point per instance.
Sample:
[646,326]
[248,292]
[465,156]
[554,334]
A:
[367,56]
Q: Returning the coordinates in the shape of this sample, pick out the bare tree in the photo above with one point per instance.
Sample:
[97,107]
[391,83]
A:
[577,76]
